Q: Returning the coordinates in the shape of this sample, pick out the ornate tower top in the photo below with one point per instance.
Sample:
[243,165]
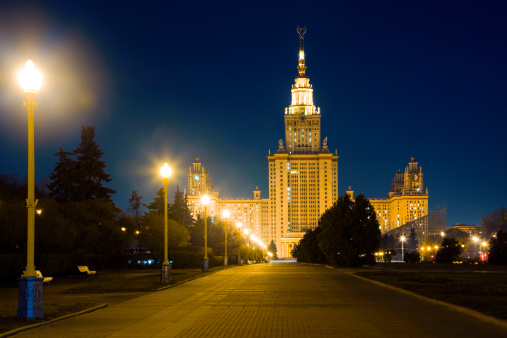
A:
[301,68]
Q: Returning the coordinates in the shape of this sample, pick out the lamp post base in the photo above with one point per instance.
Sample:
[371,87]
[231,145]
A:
[205,265]
[30,297]
[165,274]
[225,261]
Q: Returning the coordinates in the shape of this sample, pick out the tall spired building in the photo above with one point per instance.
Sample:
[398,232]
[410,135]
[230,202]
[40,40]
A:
[303,181]
[303,173]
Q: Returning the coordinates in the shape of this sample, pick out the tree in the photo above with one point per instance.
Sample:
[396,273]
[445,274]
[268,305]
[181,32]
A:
[135,205]
[412,242]
[350,232]
[153,234]
[498,248]
[80,178]
[179,210]
[96,226]
[495,221]
[307,250]
[63,179]
[272,249]
[90,169]
[53,232]
[412,257]
[449,251]
[157,206]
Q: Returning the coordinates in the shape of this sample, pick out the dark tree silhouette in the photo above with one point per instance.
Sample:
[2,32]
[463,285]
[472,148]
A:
[350,232]
[272,248]
[82,178]
[498,248]
[449,251]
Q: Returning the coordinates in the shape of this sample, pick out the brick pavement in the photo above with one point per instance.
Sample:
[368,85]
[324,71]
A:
[274,300]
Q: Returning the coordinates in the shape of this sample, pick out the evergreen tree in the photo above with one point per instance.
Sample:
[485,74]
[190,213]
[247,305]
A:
[308,248]
[272,249]
[90,169]
[63,179]
[179,210]
[412,243]
[449,251]
[80,178]
[350,232]
[157,206]
[135,205]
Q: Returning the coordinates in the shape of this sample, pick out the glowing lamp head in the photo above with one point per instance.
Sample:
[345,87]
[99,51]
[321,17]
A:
[239,224]
[403,238]
[226,213]
[205,200]
[166,171]
[246,231]
[30,78]
[475,239]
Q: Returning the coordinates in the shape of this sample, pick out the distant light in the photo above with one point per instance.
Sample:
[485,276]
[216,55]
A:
[239,224]
[226,213]
[30,78]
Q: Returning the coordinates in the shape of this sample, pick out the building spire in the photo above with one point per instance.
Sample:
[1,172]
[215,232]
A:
[301,68]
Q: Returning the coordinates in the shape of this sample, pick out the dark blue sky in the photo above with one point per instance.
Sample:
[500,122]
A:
[173,80]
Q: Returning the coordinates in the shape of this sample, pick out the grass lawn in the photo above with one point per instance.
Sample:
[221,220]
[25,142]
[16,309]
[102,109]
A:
[108,282]
[480,289]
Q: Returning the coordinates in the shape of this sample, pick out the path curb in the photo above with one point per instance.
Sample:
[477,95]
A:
[33,326]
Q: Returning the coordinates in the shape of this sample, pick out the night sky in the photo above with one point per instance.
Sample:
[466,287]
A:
[168,81]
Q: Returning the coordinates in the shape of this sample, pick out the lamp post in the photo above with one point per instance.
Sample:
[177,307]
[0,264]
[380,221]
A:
[475,239]
[205,202]
[239,225]
[165,274]
[30,287]
[402,252]
[226,213]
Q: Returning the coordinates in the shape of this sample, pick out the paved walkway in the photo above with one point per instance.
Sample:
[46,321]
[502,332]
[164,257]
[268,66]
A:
[273,300]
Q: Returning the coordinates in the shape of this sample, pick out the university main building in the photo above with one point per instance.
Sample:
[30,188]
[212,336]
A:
[303,181]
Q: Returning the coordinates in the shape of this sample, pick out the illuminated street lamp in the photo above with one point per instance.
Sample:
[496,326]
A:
[475,239]
[165,273]
[30,286]
[402,252]
[205,202]
[226,213]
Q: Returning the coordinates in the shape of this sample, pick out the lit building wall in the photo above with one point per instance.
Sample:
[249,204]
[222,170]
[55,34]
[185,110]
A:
[407,201]
[303,173]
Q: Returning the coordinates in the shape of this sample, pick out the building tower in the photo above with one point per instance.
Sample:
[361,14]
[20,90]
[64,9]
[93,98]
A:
[303,173]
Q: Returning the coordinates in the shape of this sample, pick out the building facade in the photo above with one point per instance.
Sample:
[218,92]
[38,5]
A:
[303,180]
[303,173]
[406,202]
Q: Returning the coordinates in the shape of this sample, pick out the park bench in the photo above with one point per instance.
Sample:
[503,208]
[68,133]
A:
[48,280]
[83,270]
